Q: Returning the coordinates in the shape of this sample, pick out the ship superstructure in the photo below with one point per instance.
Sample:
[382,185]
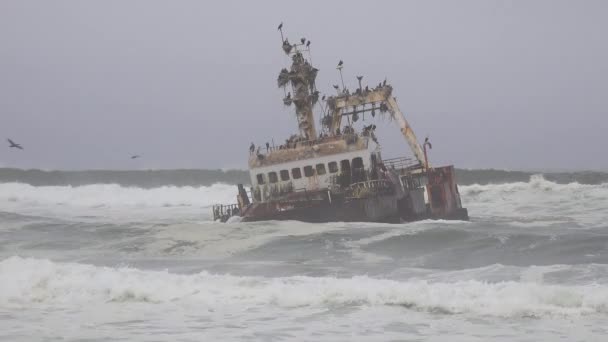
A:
[339,174]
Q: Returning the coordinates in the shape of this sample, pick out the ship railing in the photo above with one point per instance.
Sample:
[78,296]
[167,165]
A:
[305,191]
[349,137]
[223,212]
[401,163]
[369,188]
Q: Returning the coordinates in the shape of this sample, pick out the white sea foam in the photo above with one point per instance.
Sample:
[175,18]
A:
[213,241]
[29,281]
[539,201]
[112,200]
[112,195]
[525,204]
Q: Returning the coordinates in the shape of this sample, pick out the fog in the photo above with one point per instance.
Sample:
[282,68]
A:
[190,84]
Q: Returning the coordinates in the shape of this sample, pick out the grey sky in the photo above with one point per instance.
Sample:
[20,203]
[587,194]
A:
[189,84]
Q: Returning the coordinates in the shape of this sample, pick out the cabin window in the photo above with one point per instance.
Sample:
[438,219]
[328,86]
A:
[309,171]
[272,177]
[296,173]
[357,163]
[320,169]
[284,175]
[333,167]
[345,165]
[260,177]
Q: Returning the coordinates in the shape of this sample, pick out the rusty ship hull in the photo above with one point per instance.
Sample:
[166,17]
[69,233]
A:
[382,210]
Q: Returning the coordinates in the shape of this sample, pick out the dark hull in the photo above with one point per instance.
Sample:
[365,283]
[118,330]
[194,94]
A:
[387,209]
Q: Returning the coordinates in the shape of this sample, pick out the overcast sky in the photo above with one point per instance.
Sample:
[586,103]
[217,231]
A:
[189,84]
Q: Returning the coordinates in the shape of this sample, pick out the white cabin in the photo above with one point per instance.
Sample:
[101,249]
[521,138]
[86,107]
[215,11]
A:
[310,166]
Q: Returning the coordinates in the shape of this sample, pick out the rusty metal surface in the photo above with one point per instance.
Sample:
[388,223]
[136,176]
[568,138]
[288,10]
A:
[406,130]
[380,99]
[301,76]
[308,150]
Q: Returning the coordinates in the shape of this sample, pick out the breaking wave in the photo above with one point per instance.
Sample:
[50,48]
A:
[539,200]
[42,281]
[113,195]
[525,203]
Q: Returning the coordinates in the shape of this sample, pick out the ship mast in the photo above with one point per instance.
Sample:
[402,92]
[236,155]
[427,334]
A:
[301,76]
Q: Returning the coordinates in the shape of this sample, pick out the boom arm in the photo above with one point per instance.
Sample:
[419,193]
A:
[406,130]
[379,98]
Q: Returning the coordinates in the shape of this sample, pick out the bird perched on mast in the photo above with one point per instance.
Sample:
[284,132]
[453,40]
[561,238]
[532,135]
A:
[359,78]
[280,28]
[426,158]
[308,43]
[339,67]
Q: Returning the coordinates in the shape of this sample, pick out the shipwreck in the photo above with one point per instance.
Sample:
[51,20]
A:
[338,173]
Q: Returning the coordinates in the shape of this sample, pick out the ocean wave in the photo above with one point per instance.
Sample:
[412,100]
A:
[114,203]
[107,195]
[525,204]
[30,281]
[539,200]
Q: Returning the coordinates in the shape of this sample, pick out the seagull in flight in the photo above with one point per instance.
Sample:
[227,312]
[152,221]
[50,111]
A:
[14,144]
[135,156]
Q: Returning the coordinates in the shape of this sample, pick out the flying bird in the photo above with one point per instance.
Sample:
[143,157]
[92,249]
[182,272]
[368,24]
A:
[135,156]
[323,98]
[280,26]
[14,144]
